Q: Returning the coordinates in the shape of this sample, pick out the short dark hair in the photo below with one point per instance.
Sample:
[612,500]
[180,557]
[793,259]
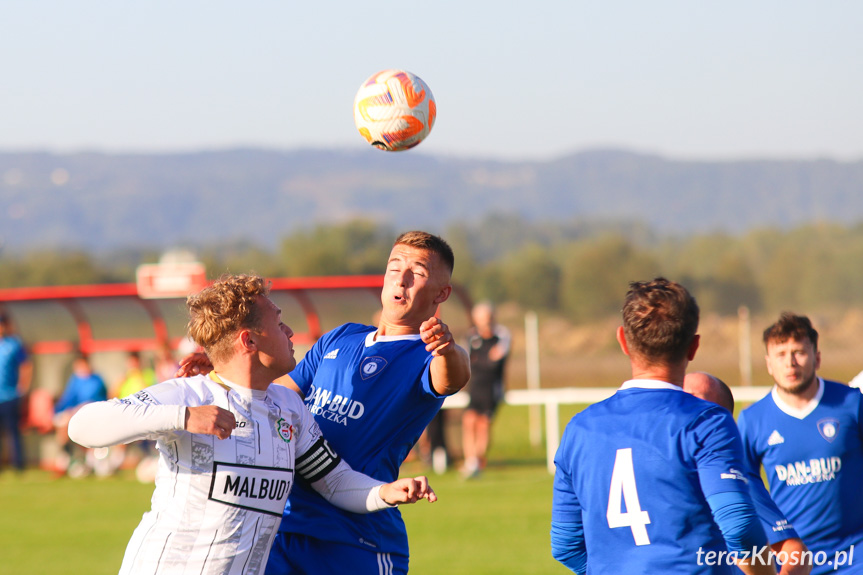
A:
[429,242]
[660,319]
[791,326]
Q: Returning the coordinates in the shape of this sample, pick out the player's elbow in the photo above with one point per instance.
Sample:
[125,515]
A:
[82,430]
[735,515]
[567,546]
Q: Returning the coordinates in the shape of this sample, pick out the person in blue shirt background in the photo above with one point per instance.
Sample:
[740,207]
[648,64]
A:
[808,435]
[16,371]
[84,386]
[652,479]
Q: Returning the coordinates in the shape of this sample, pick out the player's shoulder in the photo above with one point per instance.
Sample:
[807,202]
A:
[836,393]
[194,390]
[646,403]
[836,387]
[349,330]
[760,407]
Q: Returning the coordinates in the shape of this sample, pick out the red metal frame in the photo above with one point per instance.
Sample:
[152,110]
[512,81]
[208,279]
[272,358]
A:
[70,297]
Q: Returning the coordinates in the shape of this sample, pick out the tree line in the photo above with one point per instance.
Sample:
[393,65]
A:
[577,270]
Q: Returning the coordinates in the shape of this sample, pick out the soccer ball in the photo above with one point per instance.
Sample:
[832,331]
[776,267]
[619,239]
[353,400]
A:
[394,110]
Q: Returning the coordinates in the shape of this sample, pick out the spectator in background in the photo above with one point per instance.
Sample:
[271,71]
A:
[84,386]
[16,372]
[489,344]
[166,365]
[136,378]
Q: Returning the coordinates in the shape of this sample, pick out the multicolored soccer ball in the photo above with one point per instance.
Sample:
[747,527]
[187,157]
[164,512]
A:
[394,110]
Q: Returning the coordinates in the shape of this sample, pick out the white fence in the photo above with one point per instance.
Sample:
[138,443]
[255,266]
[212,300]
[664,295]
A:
[552,399]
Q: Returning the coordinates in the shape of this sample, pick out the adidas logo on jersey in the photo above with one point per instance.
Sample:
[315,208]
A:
[332,355]
[775,438]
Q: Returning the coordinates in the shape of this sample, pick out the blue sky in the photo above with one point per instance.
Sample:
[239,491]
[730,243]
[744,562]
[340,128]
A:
[513,80]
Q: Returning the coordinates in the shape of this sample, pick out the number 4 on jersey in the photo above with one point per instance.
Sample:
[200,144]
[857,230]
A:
[623,484]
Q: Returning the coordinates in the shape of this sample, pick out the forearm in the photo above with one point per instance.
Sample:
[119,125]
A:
[450,371]
[735,515]
[113,422]
[351,490]
[568,546]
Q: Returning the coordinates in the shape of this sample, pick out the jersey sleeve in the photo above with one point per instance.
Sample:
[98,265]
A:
[21,353]
[718,450]
[565,507]
[315,458]
[504,339]
[751,455]
[774,522]
[106,423]
[428,388]
[67,398]
[567,533]
[304,374]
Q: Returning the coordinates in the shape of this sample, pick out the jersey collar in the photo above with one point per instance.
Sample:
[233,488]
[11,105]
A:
[649,384]
[804,411]
[371,339]
[229,386]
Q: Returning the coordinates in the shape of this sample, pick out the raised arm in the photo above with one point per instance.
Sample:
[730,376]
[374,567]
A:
[450,367]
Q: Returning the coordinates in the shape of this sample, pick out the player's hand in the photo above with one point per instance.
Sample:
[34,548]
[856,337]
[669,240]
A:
[194,364]
[408,490]
[210,420]
[799,561]
[436,335]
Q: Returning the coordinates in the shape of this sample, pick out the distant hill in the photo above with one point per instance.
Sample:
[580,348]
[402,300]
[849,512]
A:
[103,201]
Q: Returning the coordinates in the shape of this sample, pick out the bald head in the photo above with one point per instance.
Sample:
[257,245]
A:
[709,388]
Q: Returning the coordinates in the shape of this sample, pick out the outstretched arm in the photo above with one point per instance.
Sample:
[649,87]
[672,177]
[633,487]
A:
[450,368]
[359,493]
[106,423]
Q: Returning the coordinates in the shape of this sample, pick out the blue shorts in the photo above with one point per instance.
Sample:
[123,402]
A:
[294,554]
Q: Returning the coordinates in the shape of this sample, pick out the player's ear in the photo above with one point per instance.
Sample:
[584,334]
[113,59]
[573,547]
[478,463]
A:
[443,294]
[769,366]
[693,347]
[246,340]
[621,339]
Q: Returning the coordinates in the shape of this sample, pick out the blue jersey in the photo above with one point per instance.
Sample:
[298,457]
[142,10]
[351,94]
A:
[80,390]
[12,355]
[774,522]
[372,399]
[813,459]
[637,468]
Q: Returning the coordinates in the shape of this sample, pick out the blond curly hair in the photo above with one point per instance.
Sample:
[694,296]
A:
[218,311]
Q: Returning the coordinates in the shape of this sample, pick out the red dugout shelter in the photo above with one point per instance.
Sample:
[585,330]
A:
[129,317]
[109,320]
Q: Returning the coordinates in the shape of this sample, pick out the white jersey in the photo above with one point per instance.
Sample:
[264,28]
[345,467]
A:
[218,503]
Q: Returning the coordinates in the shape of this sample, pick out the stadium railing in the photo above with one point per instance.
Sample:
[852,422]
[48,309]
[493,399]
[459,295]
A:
[553,398]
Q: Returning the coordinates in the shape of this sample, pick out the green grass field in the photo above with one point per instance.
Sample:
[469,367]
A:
[497,524]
